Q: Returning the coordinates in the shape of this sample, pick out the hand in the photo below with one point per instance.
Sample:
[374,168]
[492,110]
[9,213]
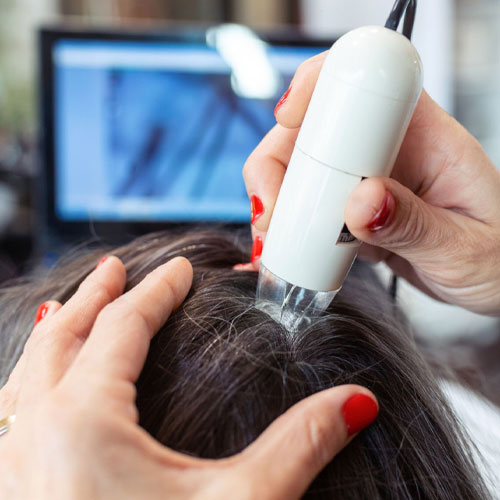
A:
[436,222]
[76,433]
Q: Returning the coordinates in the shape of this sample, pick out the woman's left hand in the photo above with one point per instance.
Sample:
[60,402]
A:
[76,434]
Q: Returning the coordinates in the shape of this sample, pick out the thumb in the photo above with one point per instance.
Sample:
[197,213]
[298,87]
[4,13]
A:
[297,446]
[383,213]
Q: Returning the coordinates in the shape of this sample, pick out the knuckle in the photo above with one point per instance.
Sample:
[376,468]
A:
[320,438]
[98,290]
[304,68]
[411,229]
[127,313]
[250,167]
[246,168]
[170,290]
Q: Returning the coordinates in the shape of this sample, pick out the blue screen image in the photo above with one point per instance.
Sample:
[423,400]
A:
[155,131]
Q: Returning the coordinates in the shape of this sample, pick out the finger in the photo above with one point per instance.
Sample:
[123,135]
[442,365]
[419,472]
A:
[290,111]
[10,391]
[297,446]
[383,213]
[264,172]
[57,338]
[119,341]
[46,310]
[265,168]
[246,267]
[101,287]
[253,265]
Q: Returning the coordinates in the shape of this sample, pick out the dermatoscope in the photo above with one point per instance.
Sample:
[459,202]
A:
[355,124]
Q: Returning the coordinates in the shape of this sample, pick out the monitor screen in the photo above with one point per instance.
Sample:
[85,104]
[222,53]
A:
[157,131]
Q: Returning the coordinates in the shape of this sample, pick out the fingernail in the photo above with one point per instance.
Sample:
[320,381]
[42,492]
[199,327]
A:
[240,267]
[256,249]
[41,313]
[359,412]
[102,261]
[381,218]
[244,267]
[256,208]
[282,101]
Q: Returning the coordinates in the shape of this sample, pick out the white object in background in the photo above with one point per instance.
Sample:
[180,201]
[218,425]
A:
[433,35]
[433,320]
[354,126]
[481,420]
[252,74]
[18,24]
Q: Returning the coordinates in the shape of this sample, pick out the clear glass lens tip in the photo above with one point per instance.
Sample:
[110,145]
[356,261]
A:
[292,306]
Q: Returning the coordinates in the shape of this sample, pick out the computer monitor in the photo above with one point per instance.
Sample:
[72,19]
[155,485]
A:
[150,128]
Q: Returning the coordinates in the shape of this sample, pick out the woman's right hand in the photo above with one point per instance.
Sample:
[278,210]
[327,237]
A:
[436,222]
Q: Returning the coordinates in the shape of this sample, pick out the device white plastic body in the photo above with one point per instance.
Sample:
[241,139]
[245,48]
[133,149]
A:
[356,121]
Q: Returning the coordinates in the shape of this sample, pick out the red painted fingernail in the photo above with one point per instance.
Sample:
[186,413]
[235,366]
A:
[359,412]
[256,249]
[282,101]
[102,261]
[382,217]
[256,208]
[41,312]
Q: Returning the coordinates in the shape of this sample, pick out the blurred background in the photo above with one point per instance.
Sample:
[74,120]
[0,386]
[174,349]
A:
[459,42]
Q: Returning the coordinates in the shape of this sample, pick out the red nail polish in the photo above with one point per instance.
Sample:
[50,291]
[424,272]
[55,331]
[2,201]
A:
[256,249]
[382,216]
[102,261]
[256,208]
[359,412]
[41,313]
[282,101]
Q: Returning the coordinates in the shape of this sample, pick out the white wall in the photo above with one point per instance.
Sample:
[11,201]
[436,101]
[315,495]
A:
[18,23]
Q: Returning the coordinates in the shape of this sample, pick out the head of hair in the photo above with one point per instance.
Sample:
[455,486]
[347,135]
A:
[220,370]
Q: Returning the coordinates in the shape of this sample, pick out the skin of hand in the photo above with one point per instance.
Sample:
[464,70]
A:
[435,222]
[77,436]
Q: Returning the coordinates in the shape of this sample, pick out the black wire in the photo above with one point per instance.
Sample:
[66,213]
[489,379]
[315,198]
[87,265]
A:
[406,7]
[396,14]
[393,288]
[410,19]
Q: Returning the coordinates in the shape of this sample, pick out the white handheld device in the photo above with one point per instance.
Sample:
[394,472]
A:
[354,127]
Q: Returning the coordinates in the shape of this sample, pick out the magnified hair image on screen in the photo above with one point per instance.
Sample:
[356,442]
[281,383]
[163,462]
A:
[182,136]
[159,129]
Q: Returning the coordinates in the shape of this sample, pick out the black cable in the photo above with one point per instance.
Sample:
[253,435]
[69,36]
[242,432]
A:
[396,14]
[406,7]
[410,19]
[393,288]
[409,9]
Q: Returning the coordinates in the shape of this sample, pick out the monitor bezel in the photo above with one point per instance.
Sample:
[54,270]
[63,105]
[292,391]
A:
[48,224]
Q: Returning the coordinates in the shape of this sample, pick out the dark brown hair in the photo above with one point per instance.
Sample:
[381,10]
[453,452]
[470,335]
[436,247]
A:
[221,370]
